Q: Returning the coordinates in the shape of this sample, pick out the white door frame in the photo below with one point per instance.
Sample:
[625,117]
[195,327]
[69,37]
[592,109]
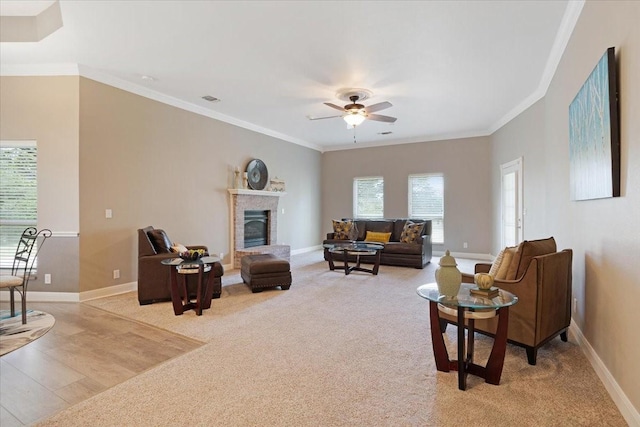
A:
[512,167]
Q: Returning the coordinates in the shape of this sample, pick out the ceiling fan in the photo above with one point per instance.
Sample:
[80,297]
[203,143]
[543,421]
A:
[354,114]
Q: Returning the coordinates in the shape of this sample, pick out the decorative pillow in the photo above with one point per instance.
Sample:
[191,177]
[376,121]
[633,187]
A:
[495,266]
[160,241]
[373,236]
[525,252]
[178,248]
[507,256]
[411,231]
[343,230]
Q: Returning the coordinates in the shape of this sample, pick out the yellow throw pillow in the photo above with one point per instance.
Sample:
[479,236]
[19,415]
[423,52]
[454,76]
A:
[507,257]
[495,266]
[373,236]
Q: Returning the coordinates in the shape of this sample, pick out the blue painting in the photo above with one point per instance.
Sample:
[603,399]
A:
[590,138]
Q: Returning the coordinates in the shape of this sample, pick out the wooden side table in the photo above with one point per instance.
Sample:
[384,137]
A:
[468,307]
[179,270]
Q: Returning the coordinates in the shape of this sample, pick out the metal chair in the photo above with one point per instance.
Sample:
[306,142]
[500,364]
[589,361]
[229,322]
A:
[22,265]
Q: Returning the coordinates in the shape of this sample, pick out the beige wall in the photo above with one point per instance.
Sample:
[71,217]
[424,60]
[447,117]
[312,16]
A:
[467,185]
[45,109]
[604,234]
[153,164]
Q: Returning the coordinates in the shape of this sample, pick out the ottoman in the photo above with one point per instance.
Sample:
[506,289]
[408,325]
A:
[265,271]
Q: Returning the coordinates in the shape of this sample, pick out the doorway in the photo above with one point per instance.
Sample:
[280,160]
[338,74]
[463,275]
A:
[511,203]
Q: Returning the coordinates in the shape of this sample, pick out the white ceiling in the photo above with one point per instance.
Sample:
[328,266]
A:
[450,69]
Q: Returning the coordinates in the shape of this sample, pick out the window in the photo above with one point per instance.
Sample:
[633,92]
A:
[18,195]
[368,197]
[426,200]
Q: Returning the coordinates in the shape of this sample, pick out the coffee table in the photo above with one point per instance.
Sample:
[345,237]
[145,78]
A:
[469,307]
[341,252]
[180,268]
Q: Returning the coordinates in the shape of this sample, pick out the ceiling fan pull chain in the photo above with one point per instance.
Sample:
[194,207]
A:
[354,134]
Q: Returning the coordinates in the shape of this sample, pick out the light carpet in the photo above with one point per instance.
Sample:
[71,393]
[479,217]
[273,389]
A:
[13,334]
[336,350]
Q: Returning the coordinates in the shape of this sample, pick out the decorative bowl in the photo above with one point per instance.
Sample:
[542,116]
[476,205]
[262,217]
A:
[483,280]
[192,254]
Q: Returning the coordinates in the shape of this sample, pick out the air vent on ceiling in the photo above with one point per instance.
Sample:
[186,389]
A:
[210,98]
[385,133]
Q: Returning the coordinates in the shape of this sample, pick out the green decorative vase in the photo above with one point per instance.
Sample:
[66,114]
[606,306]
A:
[448,277]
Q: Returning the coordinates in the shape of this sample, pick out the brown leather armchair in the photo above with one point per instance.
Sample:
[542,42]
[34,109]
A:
[154,283]
[543,311]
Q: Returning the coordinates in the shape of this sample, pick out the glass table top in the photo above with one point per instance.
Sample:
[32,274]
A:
[182,262]
[353,246]
[465,299]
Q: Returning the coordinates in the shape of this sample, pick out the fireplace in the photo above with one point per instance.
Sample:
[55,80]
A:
[256,228]
[256,213]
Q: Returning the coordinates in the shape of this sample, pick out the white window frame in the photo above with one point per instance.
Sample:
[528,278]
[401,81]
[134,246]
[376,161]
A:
[358,213]
[437,220]
[11,236]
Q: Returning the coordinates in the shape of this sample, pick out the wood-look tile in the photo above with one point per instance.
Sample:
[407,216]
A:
[42,368]
[24,398]
[80,390]
[87,351]
[7,419]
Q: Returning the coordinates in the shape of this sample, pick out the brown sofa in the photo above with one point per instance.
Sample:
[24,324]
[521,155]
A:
[154,283]
[541,279]
[417,254]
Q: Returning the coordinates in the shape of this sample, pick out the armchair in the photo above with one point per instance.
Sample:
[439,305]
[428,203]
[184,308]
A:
[154,283]
[543,288]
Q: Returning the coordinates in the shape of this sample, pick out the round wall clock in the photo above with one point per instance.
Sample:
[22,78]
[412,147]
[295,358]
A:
[257,175]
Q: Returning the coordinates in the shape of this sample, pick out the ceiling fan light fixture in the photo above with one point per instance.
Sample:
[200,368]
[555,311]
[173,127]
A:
[354,119]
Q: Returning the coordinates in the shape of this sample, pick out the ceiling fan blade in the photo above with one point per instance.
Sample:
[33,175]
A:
[322,118]
[328,104]
[381,118]
[377,107]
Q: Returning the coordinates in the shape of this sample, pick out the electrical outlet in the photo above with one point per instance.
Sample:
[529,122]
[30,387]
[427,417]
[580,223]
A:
[221,255]
[108,213]
[116,274]
[47,279]
[465,245]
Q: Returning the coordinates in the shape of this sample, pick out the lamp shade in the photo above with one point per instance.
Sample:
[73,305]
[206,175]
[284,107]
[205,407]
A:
[354,119]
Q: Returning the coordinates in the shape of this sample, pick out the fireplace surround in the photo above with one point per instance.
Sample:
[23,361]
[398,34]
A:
[254,200]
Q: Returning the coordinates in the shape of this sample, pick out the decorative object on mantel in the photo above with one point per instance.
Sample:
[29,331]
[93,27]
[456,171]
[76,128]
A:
[245,181]
[277,185]
[257,174]
[448,277]
[237,183]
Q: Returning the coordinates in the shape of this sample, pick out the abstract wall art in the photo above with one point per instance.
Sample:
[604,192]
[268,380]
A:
[594,134]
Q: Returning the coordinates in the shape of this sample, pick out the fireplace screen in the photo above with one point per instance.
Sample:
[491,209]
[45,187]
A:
[256,228]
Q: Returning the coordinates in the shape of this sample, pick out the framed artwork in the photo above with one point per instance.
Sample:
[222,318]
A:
[594,134]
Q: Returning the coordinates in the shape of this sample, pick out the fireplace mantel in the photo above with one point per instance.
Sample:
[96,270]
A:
[256,192]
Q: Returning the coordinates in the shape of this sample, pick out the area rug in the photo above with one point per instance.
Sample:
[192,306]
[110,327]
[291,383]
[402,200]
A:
[13,334]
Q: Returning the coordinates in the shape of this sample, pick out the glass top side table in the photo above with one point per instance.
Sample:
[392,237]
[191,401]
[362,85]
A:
[179,291]
[469,307]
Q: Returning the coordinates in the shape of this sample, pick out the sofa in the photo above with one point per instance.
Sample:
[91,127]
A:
[541,278]
[416,253]
[154,284]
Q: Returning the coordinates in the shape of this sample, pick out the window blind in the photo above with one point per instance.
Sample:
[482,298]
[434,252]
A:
[426,200]
[18,195]
[368,197]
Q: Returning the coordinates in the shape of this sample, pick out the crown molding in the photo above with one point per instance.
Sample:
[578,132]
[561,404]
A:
[567,25]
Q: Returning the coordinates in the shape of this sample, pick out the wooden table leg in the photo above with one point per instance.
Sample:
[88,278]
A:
[178,308]
[376,265]
[496,359]
[208,290]
[462,375]
[198,307]
[437,341]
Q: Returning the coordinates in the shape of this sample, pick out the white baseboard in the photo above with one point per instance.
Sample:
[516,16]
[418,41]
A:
[305,250]
[466,255]
[630,414]
[35,296]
